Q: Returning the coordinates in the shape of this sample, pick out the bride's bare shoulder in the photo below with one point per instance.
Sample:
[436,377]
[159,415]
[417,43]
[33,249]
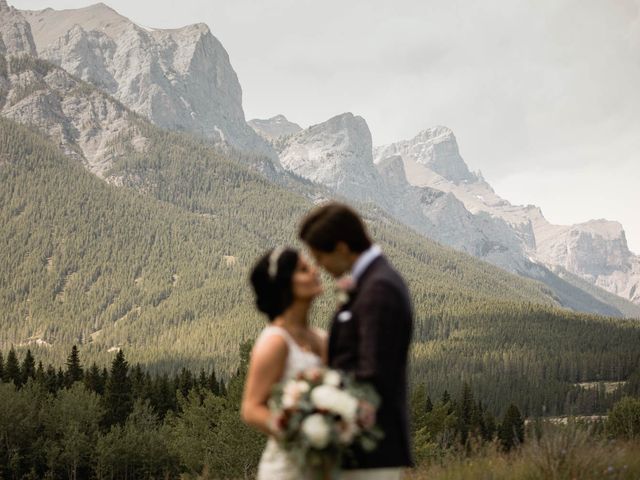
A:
[270,344]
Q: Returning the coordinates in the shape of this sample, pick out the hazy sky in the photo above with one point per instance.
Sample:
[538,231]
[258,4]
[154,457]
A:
[542,95]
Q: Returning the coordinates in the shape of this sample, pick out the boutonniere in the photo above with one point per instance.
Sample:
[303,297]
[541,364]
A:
[345,287]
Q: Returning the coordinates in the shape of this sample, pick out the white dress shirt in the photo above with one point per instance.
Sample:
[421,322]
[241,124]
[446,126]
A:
[364,260]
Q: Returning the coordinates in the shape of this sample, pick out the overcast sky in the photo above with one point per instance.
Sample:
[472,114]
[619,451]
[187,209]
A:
[542,95]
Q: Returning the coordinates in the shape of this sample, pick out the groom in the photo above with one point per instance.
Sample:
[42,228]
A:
[370,333]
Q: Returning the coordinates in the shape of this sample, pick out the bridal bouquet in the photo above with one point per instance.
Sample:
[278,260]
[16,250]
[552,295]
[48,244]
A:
[320,414]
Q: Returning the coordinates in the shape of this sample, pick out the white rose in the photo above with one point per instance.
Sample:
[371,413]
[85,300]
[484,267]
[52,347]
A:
[323,396]
[348,432]
[331,377]
[326,397]
[290,394]
[303,387]
[316,429]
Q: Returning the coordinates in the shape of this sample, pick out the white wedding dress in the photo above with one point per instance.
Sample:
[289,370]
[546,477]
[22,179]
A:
[275,463]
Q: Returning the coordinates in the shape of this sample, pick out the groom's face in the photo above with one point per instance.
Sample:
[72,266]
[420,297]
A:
[336,263]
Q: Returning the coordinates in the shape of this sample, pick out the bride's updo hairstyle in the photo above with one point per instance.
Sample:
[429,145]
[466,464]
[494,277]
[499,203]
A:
[271,279]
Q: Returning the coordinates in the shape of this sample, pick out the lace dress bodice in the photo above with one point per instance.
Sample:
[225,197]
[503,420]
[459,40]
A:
[298,360]
[275,462]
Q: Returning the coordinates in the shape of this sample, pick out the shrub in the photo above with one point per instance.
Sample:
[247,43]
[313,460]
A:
[624,419]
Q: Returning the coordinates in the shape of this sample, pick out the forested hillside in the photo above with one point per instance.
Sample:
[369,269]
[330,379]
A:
[103,266]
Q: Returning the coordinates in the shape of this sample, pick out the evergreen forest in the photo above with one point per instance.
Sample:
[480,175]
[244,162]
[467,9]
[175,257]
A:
[138,268]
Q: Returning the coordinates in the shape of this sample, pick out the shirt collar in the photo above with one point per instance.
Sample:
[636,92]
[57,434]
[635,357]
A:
[364,260]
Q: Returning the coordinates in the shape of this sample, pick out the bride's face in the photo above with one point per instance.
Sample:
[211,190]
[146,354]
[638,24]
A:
[306,280]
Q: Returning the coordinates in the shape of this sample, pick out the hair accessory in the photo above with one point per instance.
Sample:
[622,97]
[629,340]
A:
[273,262]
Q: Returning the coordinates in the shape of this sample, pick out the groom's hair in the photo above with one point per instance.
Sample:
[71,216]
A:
[325,226]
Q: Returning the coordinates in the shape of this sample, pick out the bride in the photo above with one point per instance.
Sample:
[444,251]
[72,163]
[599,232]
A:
[285,285]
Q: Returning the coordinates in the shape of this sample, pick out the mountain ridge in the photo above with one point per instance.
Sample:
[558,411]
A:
[618,272]
[342,144]
[336,154]
[163,74]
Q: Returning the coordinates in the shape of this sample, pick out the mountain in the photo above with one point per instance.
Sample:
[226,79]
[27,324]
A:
[335,154]
[155,260]
[85,121]
[274,128]
[160,270]
[180,79]
[595,251]
[338,154]
[106,266]
[15,36]
[82,120]
[435,149]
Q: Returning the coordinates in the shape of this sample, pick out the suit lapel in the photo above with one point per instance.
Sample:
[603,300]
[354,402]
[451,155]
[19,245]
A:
[333,332]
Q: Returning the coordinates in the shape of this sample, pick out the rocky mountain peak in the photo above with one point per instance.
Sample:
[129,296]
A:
[274,128]
[607,229]
[346,122]
[15,32]
[336,153]
[181,79]
[432,150]
[439,132]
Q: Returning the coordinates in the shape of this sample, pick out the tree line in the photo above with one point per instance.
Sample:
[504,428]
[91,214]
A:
[124,422]
[121,422]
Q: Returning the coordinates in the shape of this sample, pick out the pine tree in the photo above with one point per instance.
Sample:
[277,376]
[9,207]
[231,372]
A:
[28,369]
[74,371]
[429,404]
[418,407]
[511,432]
[490,426]
[1,368]
[12,369]
[51,379]
[118,397]
[223,388]
[448,402]
[184,382]
[213,384]
[202,380]
[138,383]
[40,378]
[465,413]
[93,379]
[164,395]
[60,380]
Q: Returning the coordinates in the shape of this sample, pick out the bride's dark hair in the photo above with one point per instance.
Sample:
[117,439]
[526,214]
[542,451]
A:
[271,280]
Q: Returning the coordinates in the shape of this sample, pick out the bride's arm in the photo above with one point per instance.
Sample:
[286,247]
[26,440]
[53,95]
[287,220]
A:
[265,369]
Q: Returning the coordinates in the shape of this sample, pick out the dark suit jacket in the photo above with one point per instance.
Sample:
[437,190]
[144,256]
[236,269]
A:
[374,344]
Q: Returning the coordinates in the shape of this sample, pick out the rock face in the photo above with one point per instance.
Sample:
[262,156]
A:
[595,251]
[274,128]
[435,149]
[337,154]
[81,119]
[180,79]
[15,32]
